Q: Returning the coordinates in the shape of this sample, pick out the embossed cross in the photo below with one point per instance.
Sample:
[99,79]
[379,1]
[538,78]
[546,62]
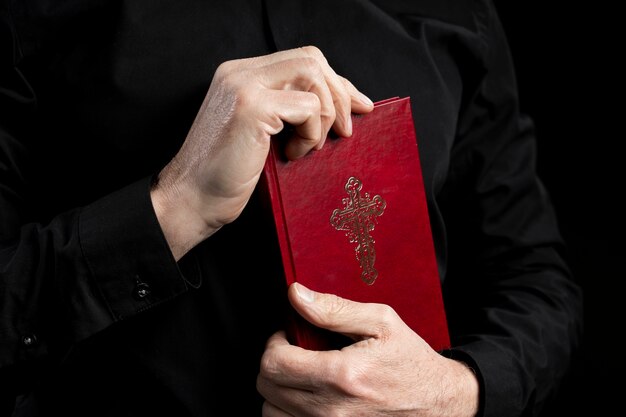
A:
[358,218]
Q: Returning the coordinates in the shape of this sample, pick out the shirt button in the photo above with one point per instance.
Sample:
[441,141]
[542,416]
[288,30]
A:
[142,290]
[29,340]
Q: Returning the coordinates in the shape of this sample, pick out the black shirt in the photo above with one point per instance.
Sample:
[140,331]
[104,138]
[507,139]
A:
[96,317]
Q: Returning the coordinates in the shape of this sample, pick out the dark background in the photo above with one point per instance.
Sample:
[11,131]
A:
[567,68]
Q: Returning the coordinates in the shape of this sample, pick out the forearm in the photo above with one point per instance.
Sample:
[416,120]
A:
[82,272]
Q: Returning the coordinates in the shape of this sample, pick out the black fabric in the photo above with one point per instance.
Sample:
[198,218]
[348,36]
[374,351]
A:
[96,96]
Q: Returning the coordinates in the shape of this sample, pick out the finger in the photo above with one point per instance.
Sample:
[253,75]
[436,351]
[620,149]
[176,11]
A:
[300,109]
[277,340]
[286,365]
[351,318]
[340,96]
[346,97]
[302,74]
[359,102]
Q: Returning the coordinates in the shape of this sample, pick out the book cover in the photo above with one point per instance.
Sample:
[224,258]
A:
[351,219]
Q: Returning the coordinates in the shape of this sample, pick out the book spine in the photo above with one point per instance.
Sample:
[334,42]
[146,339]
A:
[276,203]
[296,332]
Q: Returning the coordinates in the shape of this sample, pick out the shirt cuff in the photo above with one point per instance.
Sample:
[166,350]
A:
[497,375]
[128,256]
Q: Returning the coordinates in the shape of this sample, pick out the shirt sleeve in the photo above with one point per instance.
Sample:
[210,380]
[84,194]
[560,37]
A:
[65,279]
[514,309]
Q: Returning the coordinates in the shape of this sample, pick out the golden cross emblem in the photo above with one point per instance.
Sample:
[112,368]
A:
[357,219]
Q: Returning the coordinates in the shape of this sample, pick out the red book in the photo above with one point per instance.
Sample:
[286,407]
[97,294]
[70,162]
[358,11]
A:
[351,219]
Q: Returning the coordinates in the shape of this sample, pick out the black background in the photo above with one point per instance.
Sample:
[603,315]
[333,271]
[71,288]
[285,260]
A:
[567,67]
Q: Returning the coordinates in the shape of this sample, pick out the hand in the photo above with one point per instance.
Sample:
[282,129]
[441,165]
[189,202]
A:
[388,371]
[210,180]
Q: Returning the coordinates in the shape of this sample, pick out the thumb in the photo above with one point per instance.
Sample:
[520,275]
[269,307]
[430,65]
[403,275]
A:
[337,314]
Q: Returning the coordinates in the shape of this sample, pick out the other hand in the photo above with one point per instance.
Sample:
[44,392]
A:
[210,180]
[388,371]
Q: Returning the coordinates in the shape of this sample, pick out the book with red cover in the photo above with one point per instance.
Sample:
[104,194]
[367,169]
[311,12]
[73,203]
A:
[351,219]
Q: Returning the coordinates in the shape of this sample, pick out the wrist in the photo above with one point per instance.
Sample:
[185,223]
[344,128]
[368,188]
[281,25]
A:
[182,225]
[463,389]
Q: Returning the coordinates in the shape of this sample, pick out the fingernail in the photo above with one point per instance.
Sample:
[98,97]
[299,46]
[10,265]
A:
[305,294]
[365,99]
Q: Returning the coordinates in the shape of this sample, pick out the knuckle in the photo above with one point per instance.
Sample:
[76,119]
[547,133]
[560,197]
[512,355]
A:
[387,317]
[269,365]
[234,75]
[312,103]
[313,51]
[351,379]
[244,99]
[335,305]
[311,66]
[226,76]
[305,72]
[224,69]
[387,313]
[243,94]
